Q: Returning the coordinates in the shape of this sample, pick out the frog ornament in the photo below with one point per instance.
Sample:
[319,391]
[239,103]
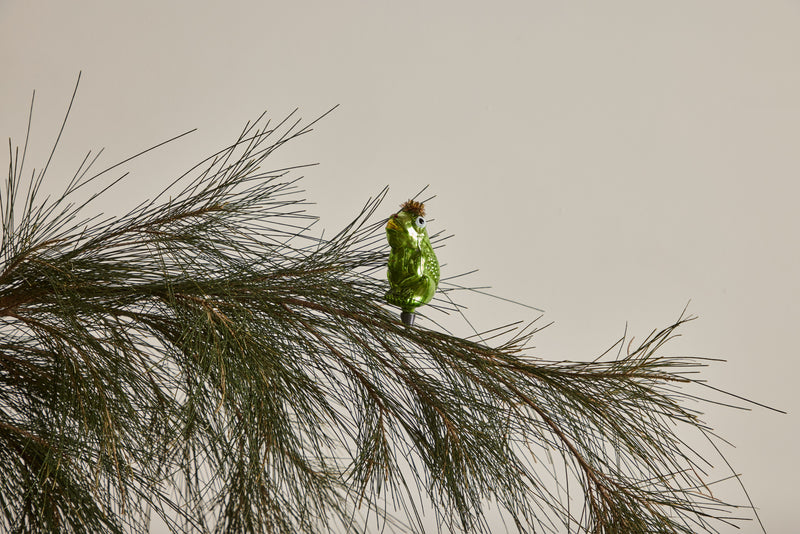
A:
[413,268]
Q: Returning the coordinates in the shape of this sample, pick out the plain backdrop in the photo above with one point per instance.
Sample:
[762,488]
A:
[607,161]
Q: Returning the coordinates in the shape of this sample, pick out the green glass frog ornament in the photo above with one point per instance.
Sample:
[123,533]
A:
[413,268]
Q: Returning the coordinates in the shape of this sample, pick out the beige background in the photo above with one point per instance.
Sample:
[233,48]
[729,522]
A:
[605,161]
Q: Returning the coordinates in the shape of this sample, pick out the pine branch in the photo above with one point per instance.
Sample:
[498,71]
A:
[207,359]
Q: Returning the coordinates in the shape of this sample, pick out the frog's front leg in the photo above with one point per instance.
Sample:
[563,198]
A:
[409,293]
[404,292]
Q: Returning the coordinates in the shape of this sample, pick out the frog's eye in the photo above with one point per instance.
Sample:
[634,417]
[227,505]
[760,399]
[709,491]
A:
[420,222]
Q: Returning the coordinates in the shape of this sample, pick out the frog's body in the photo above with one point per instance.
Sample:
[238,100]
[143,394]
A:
[413,268]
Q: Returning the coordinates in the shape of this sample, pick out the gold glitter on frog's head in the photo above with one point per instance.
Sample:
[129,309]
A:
[417,209]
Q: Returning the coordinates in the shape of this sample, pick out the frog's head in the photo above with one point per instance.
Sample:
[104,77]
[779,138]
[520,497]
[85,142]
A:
[406,228]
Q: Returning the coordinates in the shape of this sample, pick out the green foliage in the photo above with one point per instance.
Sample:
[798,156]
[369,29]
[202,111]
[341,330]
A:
[206,360]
